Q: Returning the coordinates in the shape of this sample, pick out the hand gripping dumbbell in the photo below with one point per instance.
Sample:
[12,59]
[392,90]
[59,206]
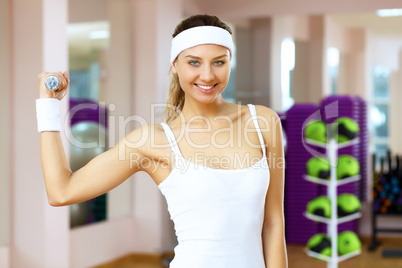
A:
[52,82]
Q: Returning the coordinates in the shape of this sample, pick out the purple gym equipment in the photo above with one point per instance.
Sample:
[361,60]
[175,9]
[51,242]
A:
[298,192]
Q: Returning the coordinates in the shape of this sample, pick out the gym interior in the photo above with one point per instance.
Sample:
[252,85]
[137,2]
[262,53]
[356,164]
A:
[332,70]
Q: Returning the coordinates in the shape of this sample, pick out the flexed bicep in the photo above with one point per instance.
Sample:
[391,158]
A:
[107,170]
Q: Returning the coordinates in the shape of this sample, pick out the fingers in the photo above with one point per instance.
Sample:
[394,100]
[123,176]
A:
[65,73]
[66,77]
[42,75]
[64,82]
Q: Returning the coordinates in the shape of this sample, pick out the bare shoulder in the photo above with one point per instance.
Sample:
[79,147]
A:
[270,125]
[148,139]
[267,115]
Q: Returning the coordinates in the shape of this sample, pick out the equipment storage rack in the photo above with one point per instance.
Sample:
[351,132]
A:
[332,148]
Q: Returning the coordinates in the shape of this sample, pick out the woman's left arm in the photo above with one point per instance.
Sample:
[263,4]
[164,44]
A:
[273,232]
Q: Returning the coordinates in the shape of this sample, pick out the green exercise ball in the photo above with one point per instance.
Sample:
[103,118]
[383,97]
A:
[318,167]
[348,242]
[348,166]
[348,204]
[320,206]
[316,130]
[344,129]
[320,243]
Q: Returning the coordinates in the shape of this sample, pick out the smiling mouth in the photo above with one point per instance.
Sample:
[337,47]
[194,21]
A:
[206,88]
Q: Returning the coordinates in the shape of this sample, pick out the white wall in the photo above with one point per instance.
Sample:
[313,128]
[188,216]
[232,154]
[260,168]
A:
[4,257]
[383,51]
[5,125]
[351,44]
[39,233]
[308,35]
[87,10]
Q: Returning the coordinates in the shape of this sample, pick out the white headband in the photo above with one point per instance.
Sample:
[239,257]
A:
[200,35]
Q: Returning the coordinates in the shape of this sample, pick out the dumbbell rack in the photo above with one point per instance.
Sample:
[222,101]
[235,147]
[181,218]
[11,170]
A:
[332,231]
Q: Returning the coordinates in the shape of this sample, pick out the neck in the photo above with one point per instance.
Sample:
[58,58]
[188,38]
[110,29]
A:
[204,111]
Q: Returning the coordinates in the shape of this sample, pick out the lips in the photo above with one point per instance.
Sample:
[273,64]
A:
[206,88]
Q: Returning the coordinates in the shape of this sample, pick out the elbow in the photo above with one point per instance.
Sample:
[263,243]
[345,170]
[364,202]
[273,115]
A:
[57,194]
[57,201]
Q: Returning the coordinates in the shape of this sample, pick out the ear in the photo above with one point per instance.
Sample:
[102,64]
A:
[174,67]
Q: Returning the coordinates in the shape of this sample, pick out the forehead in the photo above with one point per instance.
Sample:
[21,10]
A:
[206,50]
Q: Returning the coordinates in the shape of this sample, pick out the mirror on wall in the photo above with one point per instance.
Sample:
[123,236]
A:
[88,45]
[100,93]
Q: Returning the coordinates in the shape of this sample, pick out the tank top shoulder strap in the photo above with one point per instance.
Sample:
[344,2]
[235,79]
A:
[257,127]
[171,139]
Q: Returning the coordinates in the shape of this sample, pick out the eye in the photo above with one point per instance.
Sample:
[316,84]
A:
[193,63]
[219,62]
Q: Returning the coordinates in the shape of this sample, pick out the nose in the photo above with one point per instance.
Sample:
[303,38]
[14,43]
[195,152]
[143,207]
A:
[207,73]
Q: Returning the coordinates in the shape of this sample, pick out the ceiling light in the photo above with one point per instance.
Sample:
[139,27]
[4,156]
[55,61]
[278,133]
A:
[389,12]
[99,34]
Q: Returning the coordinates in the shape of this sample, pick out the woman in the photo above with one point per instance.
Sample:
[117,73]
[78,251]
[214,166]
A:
[227,208]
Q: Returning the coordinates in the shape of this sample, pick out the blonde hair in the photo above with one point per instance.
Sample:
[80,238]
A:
[175,99]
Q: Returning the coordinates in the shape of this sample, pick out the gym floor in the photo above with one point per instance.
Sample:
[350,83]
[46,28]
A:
[297,258]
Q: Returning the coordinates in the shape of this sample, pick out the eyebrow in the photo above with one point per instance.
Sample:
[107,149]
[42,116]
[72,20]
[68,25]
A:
[195,57]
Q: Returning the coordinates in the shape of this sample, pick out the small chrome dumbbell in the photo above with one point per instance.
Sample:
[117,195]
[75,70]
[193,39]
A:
[52,82]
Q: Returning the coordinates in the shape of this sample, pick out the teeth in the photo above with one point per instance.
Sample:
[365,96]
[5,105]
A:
[205,87]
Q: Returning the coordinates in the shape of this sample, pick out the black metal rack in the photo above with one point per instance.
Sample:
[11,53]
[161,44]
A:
[380,179]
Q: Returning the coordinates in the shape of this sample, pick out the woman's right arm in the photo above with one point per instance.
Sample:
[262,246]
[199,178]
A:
[100,175]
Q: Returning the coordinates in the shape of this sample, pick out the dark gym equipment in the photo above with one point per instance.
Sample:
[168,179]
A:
[387,199]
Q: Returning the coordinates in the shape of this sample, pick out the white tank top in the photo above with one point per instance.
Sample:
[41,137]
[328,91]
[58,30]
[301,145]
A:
[217,213]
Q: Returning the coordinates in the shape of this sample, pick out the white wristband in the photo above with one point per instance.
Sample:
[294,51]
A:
[48,114]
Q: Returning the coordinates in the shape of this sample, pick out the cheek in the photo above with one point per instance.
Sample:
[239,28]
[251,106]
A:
[223,74]
[185,81]
[187,76]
